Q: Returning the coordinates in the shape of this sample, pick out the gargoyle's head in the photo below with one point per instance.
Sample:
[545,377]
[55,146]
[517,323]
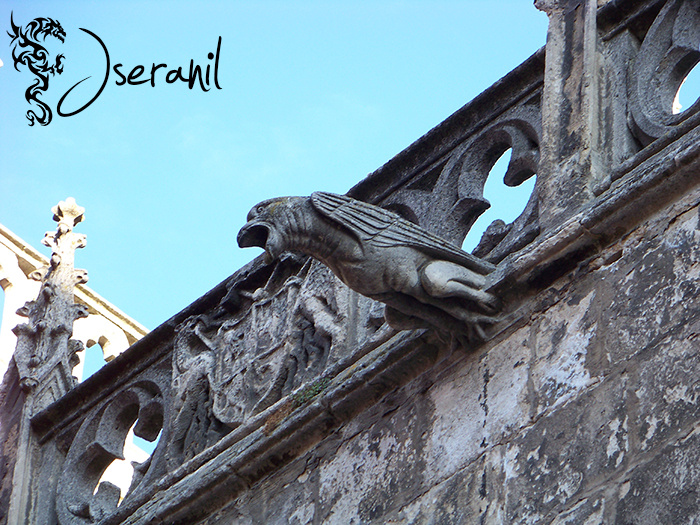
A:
[270,224]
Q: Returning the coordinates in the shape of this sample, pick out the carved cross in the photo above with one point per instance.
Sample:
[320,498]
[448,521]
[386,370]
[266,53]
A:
[64,242]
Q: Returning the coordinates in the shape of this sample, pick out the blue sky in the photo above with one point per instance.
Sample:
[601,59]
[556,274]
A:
[315,95]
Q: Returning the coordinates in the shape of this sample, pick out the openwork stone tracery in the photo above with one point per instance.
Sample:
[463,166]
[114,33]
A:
[669,51]
[100,440]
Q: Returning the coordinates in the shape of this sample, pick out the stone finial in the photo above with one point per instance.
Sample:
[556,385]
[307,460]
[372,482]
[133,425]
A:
[44,354]
[68,213]
[64,241]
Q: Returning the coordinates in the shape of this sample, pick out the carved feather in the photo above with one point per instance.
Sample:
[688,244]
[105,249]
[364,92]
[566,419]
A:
[385,229]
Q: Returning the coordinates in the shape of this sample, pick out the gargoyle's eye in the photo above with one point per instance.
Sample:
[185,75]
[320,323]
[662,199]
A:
[260,209]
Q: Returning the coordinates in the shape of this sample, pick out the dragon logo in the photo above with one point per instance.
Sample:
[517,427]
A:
[27,50]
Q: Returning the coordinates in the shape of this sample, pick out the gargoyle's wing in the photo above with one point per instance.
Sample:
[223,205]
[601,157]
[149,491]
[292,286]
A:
[385,229]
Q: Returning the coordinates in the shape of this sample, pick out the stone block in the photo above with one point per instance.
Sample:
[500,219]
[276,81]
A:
[468,496]
[667,389]
[286,499]
[567,451]
[565,333]
[376,470]
[653,288]
[664,490]
[481,403]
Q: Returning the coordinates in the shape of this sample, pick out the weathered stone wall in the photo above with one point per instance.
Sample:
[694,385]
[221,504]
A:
[586,412]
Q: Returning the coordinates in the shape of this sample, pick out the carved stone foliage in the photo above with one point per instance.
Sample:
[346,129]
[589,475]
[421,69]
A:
[99,440]
[258,346]
[448,197]
[668,53]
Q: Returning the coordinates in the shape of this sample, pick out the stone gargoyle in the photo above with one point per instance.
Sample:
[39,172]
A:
[423,280]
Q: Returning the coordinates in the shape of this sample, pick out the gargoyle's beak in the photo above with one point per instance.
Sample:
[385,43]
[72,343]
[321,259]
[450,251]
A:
[253,234]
